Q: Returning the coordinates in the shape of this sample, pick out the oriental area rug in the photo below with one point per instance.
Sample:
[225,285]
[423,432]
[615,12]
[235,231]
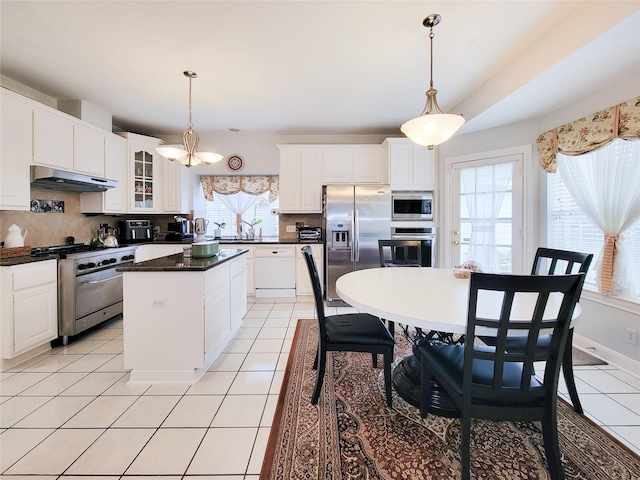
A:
[352,435]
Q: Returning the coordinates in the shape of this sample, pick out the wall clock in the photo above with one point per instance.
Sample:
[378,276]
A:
[235,162]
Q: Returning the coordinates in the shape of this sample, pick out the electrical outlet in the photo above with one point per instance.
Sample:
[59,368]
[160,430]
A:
[631,335]
[291,229]
[157,304]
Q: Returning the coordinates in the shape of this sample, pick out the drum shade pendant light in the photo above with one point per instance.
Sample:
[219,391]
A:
[432,127]
[190,156]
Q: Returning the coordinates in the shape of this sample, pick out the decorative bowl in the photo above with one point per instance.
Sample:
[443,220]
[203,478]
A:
[460,272]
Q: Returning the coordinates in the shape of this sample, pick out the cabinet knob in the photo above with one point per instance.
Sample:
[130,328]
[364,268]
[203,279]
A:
[456,242]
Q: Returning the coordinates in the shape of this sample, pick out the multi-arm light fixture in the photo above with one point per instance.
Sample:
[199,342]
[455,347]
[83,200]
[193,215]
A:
[190,156]
[432,127]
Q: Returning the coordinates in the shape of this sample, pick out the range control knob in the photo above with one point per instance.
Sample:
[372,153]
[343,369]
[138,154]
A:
[90,265]
[82,266]
[112,260]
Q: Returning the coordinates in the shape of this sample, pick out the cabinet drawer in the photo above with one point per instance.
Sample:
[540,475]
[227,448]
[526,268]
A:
[275,251]
[216,278]
[236,267]
[34,274]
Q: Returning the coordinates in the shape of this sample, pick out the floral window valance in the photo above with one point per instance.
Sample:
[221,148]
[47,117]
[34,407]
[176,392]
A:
[590,132]
[252,184]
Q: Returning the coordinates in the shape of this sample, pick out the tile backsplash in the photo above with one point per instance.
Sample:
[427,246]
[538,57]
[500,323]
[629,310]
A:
[308,219]
[44,229]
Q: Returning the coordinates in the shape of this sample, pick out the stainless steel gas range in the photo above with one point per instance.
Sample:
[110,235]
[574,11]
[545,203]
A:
[89,288]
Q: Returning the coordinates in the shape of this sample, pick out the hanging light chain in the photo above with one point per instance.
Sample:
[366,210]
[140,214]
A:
[431,35]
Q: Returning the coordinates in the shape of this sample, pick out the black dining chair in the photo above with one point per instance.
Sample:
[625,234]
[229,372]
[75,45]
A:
[549,261]
[399,253]
[495,383]
[352,332]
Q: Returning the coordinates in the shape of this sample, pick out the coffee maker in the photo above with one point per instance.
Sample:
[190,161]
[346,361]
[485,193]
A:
[178,231]
[200,228]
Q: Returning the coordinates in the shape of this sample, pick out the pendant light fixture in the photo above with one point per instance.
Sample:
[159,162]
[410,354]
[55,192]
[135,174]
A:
[190,156]
[432,127]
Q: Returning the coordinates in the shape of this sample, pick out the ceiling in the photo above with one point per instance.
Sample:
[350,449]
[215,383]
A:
[316,67]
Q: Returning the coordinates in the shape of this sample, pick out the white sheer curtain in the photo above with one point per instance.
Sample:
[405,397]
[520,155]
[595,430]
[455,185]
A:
[605,183]
[484,189]
[238,203]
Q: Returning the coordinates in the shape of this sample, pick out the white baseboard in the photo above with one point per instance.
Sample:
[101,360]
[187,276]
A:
[610,356]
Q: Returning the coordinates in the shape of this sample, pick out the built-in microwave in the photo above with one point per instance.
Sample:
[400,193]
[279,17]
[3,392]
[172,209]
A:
[412,206]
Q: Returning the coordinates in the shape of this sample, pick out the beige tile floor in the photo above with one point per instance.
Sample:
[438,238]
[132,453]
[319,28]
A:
[71,413]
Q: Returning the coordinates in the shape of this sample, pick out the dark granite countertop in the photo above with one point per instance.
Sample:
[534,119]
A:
[178,263]
[21,260]
[235,241]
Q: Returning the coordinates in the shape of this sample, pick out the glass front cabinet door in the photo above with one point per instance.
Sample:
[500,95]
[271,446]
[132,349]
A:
[144,170]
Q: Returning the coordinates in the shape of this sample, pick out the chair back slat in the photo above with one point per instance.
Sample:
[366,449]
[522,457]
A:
[503,360]
[556,258]
[315,283]
[400,253]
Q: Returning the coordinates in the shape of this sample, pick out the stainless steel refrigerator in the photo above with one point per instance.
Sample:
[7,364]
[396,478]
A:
[355,217]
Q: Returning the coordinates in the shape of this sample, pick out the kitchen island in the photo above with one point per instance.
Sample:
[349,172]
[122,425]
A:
[180,313]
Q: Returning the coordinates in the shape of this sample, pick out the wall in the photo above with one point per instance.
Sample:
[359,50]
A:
[601,325]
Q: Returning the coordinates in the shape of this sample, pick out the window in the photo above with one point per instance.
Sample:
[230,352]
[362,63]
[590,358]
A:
[571,229]
[257,208]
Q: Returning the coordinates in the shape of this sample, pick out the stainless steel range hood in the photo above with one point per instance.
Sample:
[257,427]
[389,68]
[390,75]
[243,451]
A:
[52,178]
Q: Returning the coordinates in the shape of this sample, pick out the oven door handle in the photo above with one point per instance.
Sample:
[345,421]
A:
[101,281]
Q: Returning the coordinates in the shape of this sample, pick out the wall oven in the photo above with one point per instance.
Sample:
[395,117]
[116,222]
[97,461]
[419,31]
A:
[412,206]
[418,231]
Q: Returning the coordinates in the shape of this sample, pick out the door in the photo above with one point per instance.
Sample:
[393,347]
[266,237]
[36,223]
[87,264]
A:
[372,223]
[485,209]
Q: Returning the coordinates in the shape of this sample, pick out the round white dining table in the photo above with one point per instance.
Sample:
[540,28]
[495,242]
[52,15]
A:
[428,298]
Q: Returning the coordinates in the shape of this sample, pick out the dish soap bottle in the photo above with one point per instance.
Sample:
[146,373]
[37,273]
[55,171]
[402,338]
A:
[260,234]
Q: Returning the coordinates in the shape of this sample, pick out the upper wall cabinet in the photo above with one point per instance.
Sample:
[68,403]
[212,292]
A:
[353,164]
[176,187]
[15,151]
[156,185]
[143,173]
[52,139]
[88,150]
[300,179]
[411,166]
[114,200]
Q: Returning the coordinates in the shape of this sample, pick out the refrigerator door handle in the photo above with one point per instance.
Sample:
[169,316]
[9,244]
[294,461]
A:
[356,236]
[352,240]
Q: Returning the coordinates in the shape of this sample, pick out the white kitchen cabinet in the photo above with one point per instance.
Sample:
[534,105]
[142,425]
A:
[178,322]
[114,200]
[411,166]
[353,164]
[143,170]
[337,165]
[237,291]
[300,179]
[303,281]
[52,139]
[249,270]
[368,164]
[176,187]
[88,150]
[15,151]
[29,307]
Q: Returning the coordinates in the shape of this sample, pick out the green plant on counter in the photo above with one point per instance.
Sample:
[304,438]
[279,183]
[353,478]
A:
[220,225]
[253,222]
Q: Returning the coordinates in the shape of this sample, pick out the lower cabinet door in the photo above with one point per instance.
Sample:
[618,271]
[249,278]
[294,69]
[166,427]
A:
[35,320]
[238,298]
[217,320]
